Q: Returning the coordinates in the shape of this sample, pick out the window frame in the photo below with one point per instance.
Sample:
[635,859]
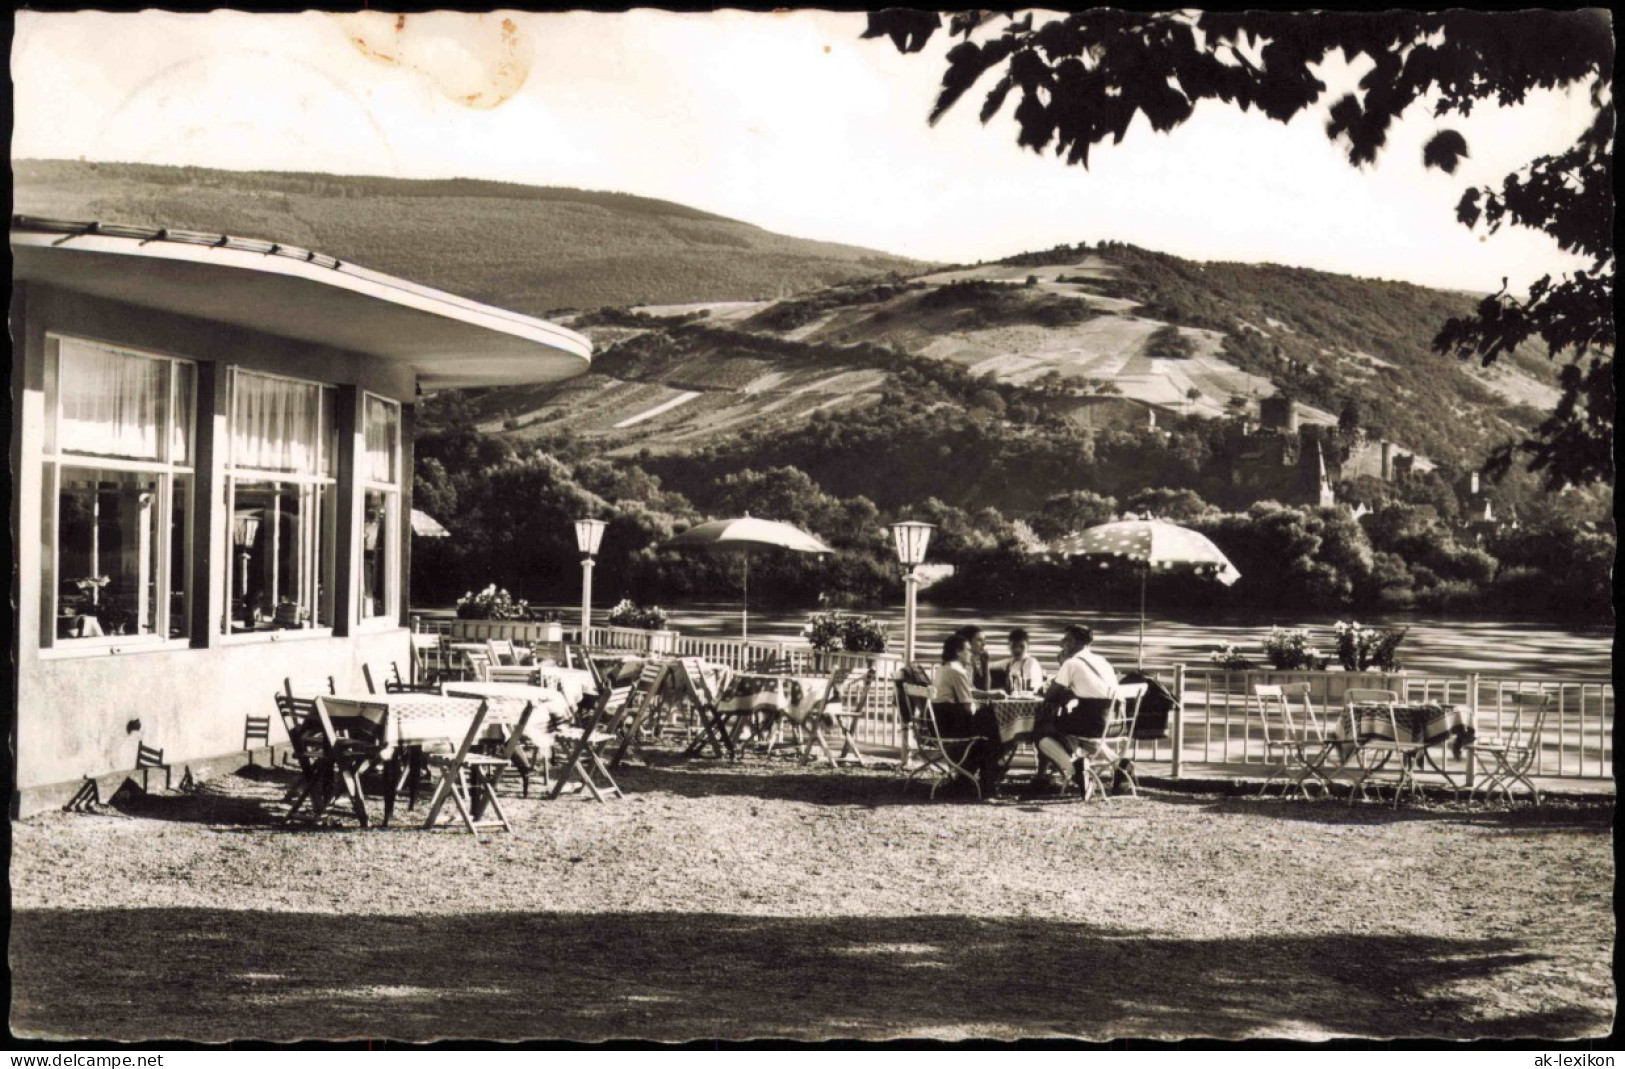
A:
[165,472]
[319,488]
[389,535]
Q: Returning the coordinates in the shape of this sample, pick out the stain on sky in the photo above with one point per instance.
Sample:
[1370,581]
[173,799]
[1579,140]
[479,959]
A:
[479,61]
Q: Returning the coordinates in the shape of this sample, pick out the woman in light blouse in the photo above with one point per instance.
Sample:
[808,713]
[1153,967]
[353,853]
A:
[953,700]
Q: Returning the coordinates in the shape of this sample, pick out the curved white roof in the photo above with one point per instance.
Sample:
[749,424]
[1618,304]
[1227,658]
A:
[449,341]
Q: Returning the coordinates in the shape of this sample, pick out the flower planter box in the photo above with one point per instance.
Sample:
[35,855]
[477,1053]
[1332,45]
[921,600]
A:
[524,632]
[638,640]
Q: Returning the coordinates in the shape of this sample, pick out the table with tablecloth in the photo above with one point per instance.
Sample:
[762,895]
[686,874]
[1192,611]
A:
[1018,718]
[574,683]
[767,695]
[403,723]
[1419,723]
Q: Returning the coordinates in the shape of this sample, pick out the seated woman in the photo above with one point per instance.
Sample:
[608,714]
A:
[954,702]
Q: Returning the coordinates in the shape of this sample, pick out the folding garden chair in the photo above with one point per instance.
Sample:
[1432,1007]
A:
[827,712]
[502,651]
[308,687]
[347,756]
[587,741]
[628,721]
[1093,757]
[309,750]
[1509,756]
[1296,739]
[396,685]
[947,757]
[522,753]
[428,658]
[1375,753]
[470,780]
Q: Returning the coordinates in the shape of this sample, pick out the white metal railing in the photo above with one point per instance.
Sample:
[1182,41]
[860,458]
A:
[1218,723]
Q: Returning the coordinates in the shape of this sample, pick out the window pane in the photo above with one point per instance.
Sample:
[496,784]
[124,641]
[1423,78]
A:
[180,435]
[382,432]
[107,553]
[330,434]
[281,556]
[378,548]
[274,424]
[112,404]
[180,552]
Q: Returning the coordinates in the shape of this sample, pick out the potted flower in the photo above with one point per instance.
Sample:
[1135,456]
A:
[1290,649]
[492,603]
[628,614]
[1229,658]
[1362,648]
[849,632]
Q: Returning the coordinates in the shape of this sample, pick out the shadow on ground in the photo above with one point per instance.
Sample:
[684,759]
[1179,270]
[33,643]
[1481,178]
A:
[214,975]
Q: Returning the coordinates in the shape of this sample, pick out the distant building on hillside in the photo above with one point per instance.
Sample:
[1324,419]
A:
[1284,459]
[1113,410]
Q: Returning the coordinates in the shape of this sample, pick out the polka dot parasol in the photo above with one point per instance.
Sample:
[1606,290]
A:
[1150,546]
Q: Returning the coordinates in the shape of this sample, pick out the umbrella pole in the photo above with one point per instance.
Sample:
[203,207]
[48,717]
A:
[744,612]
[1139,658]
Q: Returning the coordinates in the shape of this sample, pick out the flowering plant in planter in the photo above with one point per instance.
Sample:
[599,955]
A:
[1230,659]
[491,603]
[854,632]
[1360,648]
[627,613]
[1290,648]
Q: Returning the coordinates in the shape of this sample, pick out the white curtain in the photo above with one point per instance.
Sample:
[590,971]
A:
[274,424]
[113,404]
[382,432]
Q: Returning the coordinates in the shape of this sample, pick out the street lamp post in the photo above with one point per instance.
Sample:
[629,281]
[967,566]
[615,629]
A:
[911,539]
[589,533]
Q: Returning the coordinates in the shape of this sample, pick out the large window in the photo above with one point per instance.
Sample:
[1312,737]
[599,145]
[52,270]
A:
[280,496]
[381,498]
[118,482]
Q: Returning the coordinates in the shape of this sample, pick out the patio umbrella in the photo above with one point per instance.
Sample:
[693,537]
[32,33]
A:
[426,526]
[1150,545]
[746,536]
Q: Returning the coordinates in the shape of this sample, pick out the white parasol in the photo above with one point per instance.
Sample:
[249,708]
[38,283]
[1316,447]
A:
[1152,545]
[745,536]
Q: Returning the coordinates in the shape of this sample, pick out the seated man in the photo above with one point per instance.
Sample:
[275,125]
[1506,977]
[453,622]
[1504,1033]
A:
[1086,684]
[1022,673]
[954,699]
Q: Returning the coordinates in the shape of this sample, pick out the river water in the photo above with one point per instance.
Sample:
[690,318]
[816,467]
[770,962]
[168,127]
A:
[1434,645]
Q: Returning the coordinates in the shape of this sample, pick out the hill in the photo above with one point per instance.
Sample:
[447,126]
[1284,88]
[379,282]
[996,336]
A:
[533,249]
[1112,336]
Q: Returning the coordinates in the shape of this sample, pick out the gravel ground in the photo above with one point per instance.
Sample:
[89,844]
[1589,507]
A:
[768,900]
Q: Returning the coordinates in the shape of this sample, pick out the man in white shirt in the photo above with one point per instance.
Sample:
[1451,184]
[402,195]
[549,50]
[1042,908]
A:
[1088,682]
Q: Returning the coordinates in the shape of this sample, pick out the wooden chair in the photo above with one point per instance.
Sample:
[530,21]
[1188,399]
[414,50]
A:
[1510,755]
[826,713]
[256,731]
[478,664]
[628,721]
[1094,757]
[308,687]
[948,757]
[588,739]
[366,677]
[845,716]
[429,661]
[309,751]
[149,759]
[470,779]
[348,756]
[1374,754]
[396,685]
[502,651]
[518,748]
[1295,738]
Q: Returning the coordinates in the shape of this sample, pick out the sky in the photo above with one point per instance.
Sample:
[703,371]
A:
[788,121]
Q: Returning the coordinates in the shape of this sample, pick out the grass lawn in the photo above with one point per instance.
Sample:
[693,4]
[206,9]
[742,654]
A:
[757,901]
